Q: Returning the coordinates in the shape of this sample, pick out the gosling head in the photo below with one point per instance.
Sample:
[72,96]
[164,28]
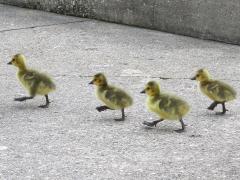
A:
[201,75]
[99,80]
[151,88]
[18,60]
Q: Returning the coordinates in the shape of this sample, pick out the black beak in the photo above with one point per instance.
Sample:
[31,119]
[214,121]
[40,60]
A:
[143,92]
[9,63]
[193,78]
[91,82]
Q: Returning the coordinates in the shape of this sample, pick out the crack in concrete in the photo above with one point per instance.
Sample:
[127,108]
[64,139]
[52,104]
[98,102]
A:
[154,77]
[159,77]
[44,25]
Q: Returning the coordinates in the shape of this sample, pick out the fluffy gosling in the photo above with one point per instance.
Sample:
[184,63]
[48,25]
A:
[166,106]
[36,83]
[114,98]
[217,91]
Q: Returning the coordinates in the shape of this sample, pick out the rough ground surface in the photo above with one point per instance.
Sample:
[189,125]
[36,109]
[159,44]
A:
[70,140]
[205,19]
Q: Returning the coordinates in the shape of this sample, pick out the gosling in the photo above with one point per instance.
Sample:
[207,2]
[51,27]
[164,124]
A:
[166,106]
[217,91]
[36,83]
[114,98]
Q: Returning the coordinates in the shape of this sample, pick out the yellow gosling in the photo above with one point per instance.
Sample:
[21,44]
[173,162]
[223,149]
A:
[35,82]
[114,98]
[217,91]
[166,106]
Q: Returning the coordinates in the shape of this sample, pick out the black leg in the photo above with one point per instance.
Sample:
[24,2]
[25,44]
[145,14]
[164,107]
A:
[47,103]
[153,123]
[102,108]
[224,110]
[23,98]
[183,127]
[123,116]
[213,105]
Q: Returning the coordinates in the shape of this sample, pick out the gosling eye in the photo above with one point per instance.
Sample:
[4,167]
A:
[197,75]
[148,88]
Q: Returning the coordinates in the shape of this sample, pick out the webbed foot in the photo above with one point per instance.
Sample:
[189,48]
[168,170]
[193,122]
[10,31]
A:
[102,108]
[183,127]
[179,130]
[44,106]
[210,108]
[21,99]
[150,124]
[123,116]
[153,123]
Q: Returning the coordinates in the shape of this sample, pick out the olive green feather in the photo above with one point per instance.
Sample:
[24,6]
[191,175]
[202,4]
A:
[167,106]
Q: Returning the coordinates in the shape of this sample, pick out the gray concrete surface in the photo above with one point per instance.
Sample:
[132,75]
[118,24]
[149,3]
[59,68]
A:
[206,19]
[70,140]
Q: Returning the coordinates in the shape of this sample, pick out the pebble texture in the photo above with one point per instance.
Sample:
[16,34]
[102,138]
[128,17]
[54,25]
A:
[207,19]
[71,140]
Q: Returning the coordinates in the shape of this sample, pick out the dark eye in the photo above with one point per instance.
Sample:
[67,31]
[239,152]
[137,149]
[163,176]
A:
[148,88]
[197,75]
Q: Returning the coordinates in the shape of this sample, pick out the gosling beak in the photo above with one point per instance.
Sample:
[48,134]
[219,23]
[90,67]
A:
[9,63]
[143,91]
[193,78]
[91,82]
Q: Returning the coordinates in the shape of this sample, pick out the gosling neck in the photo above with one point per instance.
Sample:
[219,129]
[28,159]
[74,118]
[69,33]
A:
[103,86]
[204,81]
[155,96]
[22,68]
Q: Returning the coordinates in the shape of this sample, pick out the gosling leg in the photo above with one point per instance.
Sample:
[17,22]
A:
[153,123]
[224,110]
[213,105]
[102,108]
[183,127]
[123,116]
[23,98]
[47,103]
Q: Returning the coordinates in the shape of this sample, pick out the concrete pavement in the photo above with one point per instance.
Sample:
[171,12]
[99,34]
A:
[70,140]
[205,19]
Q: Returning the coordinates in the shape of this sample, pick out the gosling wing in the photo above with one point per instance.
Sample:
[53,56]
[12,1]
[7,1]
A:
[30,79]
[29,76]
[38,82]
[169,104]
[118,97]
[221,91]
